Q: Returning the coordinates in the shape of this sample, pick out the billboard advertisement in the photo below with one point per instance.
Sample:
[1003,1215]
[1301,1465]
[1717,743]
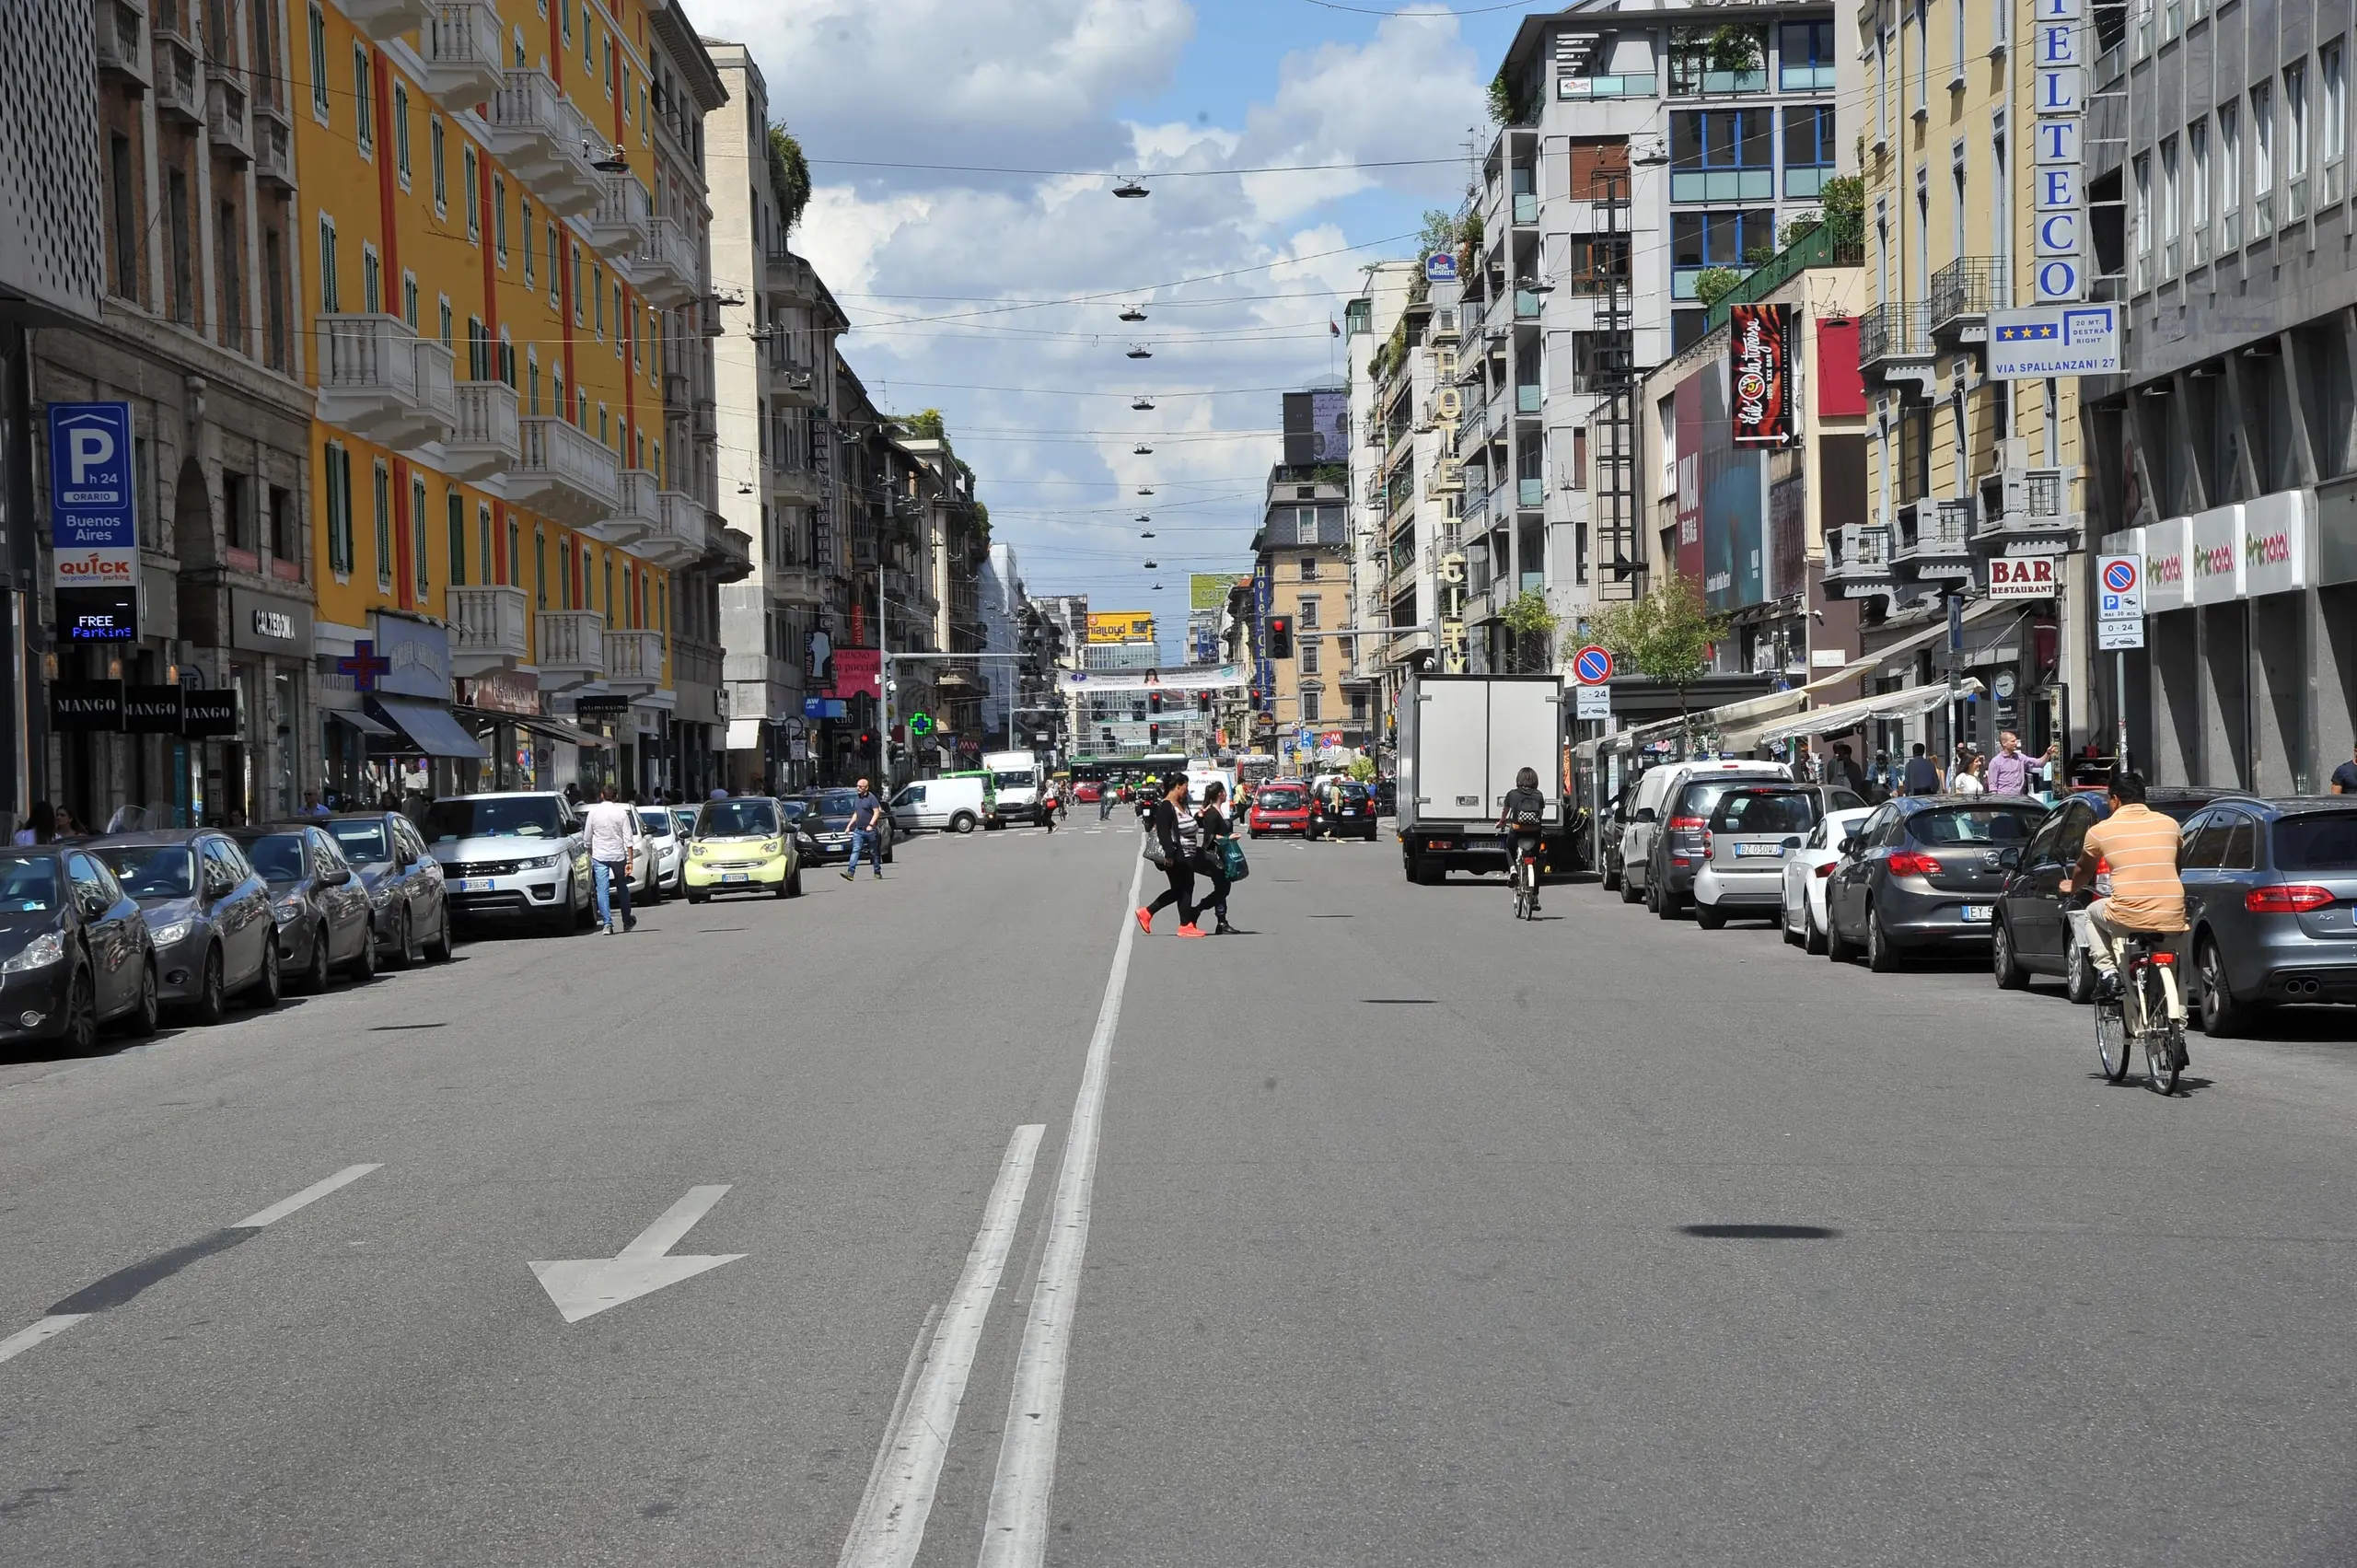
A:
[1687,410]
[1209,590]
[1120,626]
[1760,375]
[1733,550]
[859,672]
[1318,426]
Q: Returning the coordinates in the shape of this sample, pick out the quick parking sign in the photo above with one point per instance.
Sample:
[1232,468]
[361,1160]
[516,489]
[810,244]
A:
[94,522]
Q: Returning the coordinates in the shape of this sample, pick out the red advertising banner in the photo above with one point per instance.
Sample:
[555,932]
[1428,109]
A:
[859,672]
[1760,375]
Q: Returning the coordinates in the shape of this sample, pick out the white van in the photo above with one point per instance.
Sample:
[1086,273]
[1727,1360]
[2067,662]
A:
[955,804]
[1014,781]
[1654,790]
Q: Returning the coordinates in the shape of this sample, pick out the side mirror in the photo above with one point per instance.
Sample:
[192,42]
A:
[1793,842]
[338,878]
[1644,814]
[2010,859]
[1848,844]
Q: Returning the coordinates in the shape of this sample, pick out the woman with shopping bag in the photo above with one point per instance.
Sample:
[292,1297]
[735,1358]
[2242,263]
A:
[1222,856]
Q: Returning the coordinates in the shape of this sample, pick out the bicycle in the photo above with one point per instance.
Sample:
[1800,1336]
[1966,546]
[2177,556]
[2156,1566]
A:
[1522,870]
[2148,991]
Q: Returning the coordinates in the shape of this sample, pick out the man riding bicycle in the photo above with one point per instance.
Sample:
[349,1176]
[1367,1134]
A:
[1522,816]
[2138,846]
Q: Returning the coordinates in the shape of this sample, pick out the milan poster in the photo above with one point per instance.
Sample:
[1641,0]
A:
[1760,375]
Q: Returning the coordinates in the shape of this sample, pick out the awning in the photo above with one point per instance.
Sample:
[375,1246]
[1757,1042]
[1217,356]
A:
[428,727]
[1913,703]
[744,735]
[357,720]
[563,731]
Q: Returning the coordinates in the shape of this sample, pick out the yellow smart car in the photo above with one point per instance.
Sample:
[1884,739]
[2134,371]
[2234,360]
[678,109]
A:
[742,845]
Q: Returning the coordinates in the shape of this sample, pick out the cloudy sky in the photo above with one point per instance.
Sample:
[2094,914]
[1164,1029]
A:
[992,291]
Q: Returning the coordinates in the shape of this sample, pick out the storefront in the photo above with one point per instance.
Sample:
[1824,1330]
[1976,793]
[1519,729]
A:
[386,702]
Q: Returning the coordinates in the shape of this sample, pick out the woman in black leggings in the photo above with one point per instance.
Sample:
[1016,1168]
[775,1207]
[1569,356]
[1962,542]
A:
[1173,830]
[1213,820]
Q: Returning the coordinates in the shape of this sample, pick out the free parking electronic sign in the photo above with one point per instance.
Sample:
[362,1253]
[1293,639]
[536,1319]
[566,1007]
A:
[93,522]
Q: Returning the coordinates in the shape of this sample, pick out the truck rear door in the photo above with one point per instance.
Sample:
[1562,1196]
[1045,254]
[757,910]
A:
[1452,751]
[1525,728]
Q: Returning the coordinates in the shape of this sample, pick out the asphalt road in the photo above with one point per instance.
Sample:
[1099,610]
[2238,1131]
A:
[969,1231]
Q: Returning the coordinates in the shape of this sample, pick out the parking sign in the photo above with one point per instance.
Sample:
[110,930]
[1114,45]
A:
[2119,593]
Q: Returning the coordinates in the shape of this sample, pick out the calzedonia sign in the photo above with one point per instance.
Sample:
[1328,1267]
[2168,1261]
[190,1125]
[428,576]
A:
[1759,377]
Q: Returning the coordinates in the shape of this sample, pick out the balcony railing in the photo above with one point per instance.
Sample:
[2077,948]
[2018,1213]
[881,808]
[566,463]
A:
[731,554]
[1934,532]
[794,484]
[568,647]
[484,440]
[490,629]
[633,659]
[1527,399]
[636,512]
[1857,556]
[381,381]
[792,383]
[180,83]
[122,37]
[619,223]
[385,20]
[564,471]
[1526,207]
[274,148]
[225,124]
[1965,291]
[667,268]
[465,54]
[535,130]
[677,537]
[1898,330]
[790,278]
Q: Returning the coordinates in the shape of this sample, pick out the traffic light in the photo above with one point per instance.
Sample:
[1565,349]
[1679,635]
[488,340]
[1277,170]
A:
[1281,636]
[866,743]
[1202,702]
[1154,702]
[1153,734]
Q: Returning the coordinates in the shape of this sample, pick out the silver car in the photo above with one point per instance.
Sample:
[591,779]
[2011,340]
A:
[1741,866]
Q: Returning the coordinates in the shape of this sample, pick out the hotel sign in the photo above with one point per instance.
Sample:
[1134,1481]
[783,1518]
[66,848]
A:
[2063,252]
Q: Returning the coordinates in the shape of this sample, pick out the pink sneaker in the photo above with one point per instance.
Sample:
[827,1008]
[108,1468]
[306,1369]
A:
[1190,930]
[1145,921]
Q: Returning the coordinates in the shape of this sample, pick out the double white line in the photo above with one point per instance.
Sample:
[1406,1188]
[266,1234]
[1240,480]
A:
[890,1526]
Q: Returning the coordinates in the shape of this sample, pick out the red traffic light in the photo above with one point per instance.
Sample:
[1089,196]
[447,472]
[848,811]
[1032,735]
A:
[1281,636]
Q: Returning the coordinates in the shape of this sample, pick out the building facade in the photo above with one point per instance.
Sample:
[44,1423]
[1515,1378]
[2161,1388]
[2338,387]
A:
[1302,595]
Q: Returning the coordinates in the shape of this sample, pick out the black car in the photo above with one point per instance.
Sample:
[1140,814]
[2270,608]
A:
[318,901]
[1343,811]
[826,817]
[1925,872]
[2034,932]
[408,901]
[208,913]
[74,951]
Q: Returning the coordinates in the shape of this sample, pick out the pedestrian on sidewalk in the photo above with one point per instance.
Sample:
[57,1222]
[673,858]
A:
[866,818]
[1105,792]
[613,837]
[41,828]
[1217,832]
[2344,777]
[1172,841]
[1967,779]
[2011,770]
[1047,805]
[1923,773]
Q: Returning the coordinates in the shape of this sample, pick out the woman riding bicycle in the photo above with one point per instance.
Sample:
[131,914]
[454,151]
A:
[1522,816]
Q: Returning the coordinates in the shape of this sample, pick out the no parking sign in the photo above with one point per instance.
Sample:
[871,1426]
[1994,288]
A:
[1592,665]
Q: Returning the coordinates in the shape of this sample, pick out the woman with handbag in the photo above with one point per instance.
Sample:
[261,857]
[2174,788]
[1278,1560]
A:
[1218,854]
[1171,843]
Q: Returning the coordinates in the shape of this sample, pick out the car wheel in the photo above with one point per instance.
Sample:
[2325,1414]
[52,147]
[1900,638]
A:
[1785,918]
[363,962]
[140,1022]
[212,1002]
[1710,917]
[694,899]
[402,959]
[2003,960]
[81,1016]
[1882,954]
[315,973]
[793,881]
[566,919]
[1812,938]
[962,823]
[1666,903]
[1836,946]
[442,949]
[1629,892]
[2078,973]
[2222,1018]
[268,988]
[1611,881]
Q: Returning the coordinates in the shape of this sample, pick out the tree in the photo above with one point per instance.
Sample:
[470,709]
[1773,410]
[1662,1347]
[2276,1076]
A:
[1506,106]
[789,175]
[1533,625]
[1664,636]
[1714,284]
[1363,769]
[1441,232]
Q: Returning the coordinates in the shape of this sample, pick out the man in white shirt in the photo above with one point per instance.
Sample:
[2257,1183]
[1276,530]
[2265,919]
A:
[612,836]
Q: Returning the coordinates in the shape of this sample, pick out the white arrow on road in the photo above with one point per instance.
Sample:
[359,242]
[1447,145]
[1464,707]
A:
[583,1288]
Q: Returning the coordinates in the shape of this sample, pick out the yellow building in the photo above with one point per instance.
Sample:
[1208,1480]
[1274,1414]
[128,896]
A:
[498,264]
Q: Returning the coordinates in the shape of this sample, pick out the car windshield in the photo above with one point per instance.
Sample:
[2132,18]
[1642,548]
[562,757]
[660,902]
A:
[1280,800]
[28,886]
[794,809]
[1024,779]
[152,871]
[836,803]
[521,816]
[1352,794]
[279,857]
[2322,843]
[657,822]
[738,819]
[1701,799]
[2180,811]
[1765,811]
[1975,825]
[364,843]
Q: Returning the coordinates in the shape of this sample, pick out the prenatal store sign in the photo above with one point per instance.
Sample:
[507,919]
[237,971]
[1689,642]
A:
[94,522]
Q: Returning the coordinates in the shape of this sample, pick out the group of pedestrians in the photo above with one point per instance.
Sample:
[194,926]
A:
[2011,771]
[1187,841]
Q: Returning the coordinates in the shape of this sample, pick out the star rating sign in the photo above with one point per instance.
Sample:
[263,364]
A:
[2030,332]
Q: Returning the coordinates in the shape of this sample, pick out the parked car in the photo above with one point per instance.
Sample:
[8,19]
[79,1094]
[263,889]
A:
[75,950]
[1663,843]
[1739,869]
[743,845]
[1610,829]
[683,820]
[208,913]
[512,855]
[409,895]
[645,863]
[957,805]
[2035,933]
[1088,792]
[1341,809]
[1277,808]
[669,858]
[2271,901]
[1925,871]
[827,815]
[1806,872]
[318,901]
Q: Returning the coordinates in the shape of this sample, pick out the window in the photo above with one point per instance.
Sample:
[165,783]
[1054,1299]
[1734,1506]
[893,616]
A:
[1310,712]
[319,105]
[400,133]
[2262,160]
[479,366]
[551,229]
[331,297]
[1306,607]
[2000,240]
[2172,215]
[2144,220]
[1703,240]
[482,545]
[383,497]
[1805,57]
[564,19]
[1721,155]
[1955,48]
[363,113]
[576,284]
[458,510]
[2230,176]
[2197,192]
[564,585]
[621,321]
[1309,568]
[417,535]
[2335,151]
[408,299]
[182,249]
[532,379]
[2296,141]
[1957,198]
[511,565]
[336,476]
[1306,655]
[467,178]
[437,153]
[598,298]
[1922,57]
[524,225]
[1810,150]
[372,281]
[1304,525]
[443,321]
[122,227]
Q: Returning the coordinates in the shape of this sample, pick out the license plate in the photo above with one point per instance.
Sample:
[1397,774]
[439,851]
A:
[1752,851]
[736,877]
[472,884]
[1980,912]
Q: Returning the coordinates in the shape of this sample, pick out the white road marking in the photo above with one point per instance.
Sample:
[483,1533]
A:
[48,1327]
[583,1288]
[1015,1533]
[890,1523]
[309,1195]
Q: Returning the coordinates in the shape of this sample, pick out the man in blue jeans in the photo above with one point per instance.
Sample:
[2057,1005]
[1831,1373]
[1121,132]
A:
[866,815]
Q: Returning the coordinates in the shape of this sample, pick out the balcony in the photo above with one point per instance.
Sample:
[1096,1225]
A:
[677,391]
[796,585]
[1857,560]
[794,484]
[385,20]
[225,124]
[1525,209]
[536,132]
[1895,346]
[490,629]
[633,660]
[1530,494]
[704,420]
[790,280]
[791,384]
[666,267]
[1527,402]
[484,440]
[274,148]
[1934,539]
[1963,293]
[635,513]
[381,381]
[121,30]
[619,223]
[2024,511]
[569,648]
[564,471]
[179,84]
[694,663]
[731,555]
[677,538]
[465,50]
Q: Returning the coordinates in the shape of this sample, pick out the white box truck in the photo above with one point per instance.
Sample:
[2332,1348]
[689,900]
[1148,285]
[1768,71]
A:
[1014,780]
[1462,738]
